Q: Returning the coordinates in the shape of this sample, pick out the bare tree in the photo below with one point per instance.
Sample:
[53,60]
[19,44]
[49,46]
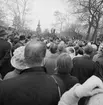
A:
[19,10]
[60,19]
[90,12]
[2,15]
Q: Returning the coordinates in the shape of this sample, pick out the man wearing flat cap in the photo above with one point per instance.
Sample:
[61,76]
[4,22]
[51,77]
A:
[33,86]
[5,48]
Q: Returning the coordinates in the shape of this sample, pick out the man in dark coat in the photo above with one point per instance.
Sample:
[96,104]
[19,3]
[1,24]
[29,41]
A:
[84,67]
[5,57]
[20,42]
[33,86]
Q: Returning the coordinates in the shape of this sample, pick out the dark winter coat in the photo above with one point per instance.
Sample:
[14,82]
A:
[84,67]
[32,87]
[5,57]
[69,81]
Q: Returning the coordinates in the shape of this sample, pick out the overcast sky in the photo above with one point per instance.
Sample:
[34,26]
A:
[43,10]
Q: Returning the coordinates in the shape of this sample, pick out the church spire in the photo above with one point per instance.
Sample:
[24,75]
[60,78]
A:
[38,29]
[39,23]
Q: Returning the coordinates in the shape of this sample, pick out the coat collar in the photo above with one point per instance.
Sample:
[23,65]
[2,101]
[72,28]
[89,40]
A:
[35,69]
[86,56]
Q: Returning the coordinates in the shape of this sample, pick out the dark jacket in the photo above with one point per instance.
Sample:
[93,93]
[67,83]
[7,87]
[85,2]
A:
[69,81]
[84,67]
[17,45]
[98,58]
[32,87]
[5,57]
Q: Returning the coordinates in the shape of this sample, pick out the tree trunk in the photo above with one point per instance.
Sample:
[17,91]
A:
[90,26]
[88,32]
[95,33]
[94,36]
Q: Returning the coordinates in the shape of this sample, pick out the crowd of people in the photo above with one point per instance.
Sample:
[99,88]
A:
[50,71]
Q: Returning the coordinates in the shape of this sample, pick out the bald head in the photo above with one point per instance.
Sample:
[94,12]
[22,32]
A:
[35,52]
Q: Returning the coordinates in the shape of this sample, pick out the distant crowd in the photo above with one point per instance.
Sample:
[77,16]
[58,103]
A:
[50,71]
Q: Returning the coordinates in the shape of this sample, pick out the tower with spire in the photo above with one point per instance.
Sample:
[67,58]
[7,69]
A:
[38,29]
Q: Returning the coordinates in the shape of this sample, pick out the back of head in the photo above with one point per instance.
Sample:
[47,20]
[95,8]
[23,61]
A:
[88,49]
[16,40]
[2,33]
[80,44]
[35,52]
[80,51]
[100,49]
[94,47]
[96,100]
[22,37]
[64,63]
[61,47]
[53,48]
[89,43]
